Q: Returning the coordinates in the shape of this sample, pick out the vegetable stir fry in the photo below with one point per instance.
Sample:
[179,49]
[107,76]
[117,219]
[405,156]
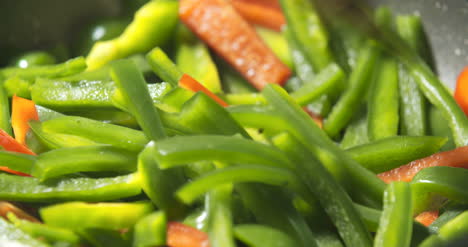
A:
[229,123]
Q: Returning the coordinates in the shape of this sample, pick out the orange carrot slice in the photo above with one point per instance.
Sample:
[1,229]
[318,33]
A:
[218,24]
[187,82]
[454,158]
[23,110]
[259,13]
[426,218]
[461,90]
[8,170]
[180,235]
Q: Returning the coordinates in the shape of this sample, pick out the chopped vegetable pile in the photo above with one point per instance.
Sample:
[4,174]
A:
[222,123]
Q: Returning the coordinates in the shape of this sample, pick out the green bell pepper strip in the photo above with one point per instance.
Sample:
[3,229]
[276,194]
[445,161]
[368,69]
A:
[326,81]
[163,66]
[17,161]
[16,188]
[356,132]
[84,95]
[17,86]
[70,67]
[305,72]
[160,185]
[5,112]
[413,104]
[132,94]
[389,153]
[262,236]
[383,115]
[13,236]
[446,217]
[395,227]
[453,233]
[49,233]
[302,127]
[237,174]
[150,230]
[411,30]
[63,161]
[109,116]
[99,237]
[33,58]
[349,102]
[180,150]
[51,140]
[333,198]
[277,43]
[232,81]
[175,99]
[220,225]
[190,49]
[138,36]
[308,31]
[273,207]
[46,113]
[443,181]
[456,228]
[202,115]
[96,131]
[439,96]
[369,216]
[438,127]
[80,215]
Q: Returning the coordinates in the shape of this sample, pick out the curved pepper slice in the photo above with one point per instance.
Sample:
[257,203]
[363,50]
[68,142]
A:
[433,182]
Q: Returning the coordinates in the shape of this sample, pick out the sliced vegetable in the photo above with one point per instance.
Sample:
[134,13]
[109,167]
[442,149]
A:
[16,188]
[150,230]
[389,153]
[113,216]
[12,236]
[261,13]
[191,84]
[138,36]
[9,144]
[234,39]
[396,223]
[455,158]
[262,236]
[23,110]
[461,90]
[180,235]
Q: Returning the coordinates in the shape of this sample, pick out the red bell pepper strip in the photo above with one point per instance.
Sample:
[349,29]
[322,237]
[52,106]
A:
[23,110]
[187,82]
[218,24]
[454,158]
[426,218]
[10,144]
[180,235]
[8,170]
[261,13]
[461,90]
